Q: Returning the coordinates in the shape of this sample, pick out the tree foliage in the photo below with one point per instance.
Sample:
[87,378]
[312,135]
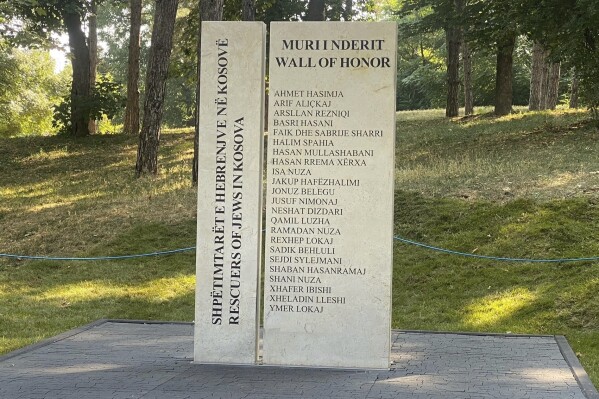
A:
[569,29]
[29,89]
[106,100]
[31,23]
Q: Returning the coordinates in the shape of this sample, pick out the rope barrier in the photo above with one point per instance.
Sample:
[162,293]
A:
[157,253]
[500,258]
[398,238]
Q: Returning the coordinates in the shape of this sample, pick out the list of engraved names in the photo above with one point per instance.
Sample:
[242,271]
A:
[309,141]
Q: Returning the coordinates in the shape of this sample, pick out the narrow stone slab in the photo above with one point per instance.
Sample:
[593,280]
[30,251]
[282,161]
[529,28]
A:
[329,224]
[229,192]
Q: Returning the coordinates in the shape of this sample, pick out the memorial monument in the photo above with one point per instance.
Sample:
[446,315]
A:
[329,196]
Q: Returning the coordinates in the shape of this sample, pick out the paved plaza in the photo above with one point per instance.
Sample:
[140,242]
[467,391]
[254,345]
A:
[117,359]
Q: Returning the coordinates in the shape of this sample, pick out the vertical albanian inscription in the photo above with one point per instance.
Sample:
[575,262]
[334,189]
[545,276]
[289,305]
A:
[220,191]
[329,198]
[236,200]
[229,193]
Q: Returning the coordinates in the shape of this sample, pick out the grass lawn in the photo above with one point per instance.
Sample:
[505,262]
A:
[526,185]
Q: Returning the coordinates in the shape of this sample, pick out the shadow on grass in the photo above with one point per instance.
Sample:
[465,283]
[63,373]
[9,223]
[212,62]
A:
[48,297]
[140,238]
[56,158]
[516,133]
[436,291]
[35,320]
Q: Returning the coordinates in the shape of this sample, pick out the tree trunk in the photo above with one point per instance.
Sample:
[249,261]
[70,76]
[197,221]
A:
[131,123]
[248,10]
[544,81]
[468,95]
[536,77]
[80,87]
[452,107]
[210,10]
[93,55]
[503,80]
[158,62]
[574,90]
[316,10]
[348,11]
[553,85]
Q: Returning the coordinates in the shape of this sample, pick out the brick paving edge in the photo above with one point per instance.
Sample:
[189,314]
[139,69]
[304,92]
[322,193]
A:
[477,334]
[53,339]
[79,330]
[581,376]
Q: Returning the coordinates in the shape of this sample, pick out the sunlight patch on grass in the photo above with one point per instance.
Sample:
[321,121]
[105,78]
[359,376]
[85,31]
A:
[584,182]
[557,181]
[170,186]
[28,191]
[524,223]
[10,344]
[493,308]
[177,130]
[123,163]
[158,290]
[12,291]
[65,200]
[48,205]
[51,155]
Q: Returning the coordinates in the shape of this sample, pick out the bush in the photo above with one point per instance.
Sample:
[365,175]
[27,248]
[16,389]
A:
[105,101]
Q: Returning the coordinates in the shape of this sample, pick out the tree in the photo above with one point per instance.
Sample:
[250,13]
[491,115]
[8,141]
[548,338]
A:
[552,92]
[92,27]
[160,51]
[432,16]
[504,76]
[249,10]
[40,18]
[544,80]
[467,66]
[131,125]
[536,77]
[348,11]
[29,89]
[494,24]
[574,90]
[453,34]
[316,10]
[209,10]
[80,62]
[569,31]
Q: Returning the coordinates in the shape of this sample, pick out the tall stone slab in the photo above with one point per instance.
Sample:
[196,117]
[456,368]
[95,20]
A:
[229,192]
[329,204]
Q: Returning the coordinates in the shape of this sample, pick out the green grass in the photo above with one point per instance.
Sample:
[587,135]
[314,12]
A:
[526,185]
[60,196]
[522,186]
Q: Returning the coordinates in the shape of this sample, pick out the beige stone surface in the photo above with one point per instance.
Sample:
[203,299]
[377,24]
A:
[229,192]
[329,204]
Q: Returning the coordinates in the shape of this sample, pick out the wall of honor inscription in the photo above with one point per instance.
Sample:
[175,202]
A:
[329,203]
[229,192]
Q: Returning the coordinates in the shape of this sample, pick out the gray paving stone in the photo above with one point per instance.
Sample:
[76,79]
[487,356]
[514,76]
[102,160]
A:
[150,361]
